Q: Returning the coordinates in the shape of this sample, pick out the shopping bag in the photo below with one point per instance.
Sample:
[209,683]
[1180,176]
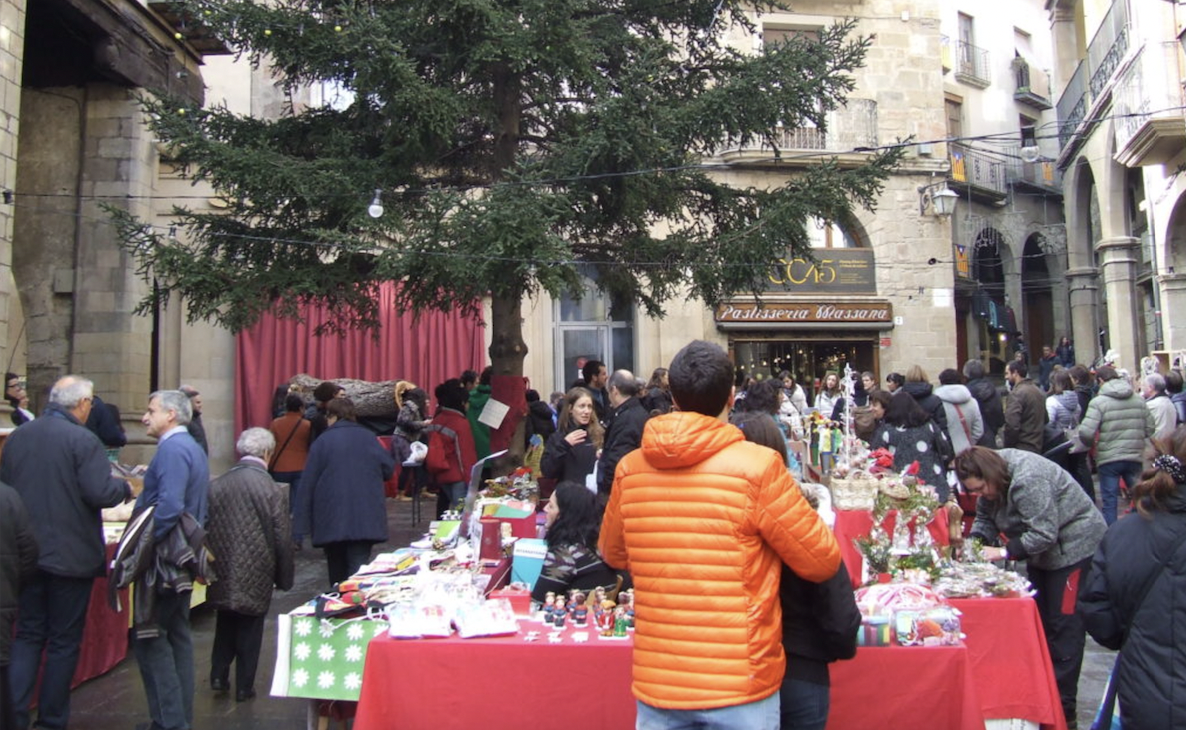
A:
[1108,715]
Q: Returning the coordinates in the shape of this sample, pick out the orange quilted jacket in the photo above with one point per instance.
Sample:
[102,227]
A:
[703,520]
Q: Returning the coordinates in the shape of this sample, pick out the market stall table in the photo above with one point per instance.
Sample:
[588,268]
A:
[1007,648]
[467,683]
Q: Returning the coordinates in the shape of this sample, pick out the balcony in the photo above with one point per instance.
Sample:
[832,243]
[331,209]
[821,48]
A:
[1072,105]
[1032,85]
[977,173]
[850,134]
[1108,47]
[1147,104]
[1039,176]
[971,65]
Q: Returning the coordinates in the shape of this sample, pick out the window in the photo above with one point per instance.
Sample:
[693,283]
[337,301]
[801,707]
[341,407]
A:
[593,327]
[955,117]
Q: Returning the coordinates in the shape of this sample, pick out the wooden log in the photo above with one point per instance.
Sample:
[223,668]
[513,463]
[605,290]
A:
[371,399]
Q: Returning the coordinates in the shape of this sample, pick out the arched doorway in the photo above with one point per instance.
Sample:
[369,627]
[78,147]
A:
[995,322]
[1037,289]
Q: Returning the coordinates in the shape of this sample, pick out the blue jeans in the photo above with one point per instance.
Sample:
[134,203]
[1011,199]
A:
[51,616]
[804,704]
[760,715]
[1110,475]
[167,664]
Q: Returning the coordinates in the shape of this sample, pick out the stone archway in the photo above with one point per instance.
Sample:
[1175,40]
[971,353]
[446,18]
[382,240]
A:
[1037,293]
[1173,281]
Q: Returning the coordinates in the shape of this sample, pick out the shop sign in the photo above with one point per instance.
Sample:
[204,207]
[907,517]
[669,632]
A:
[834,271]
[870,313]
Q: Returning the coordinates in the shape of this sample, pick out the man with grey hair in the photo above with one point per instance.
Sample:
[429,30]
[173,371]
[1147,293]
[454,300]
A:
[250,534]
[177,482]
[61,471]
[1165,416]
[623,431]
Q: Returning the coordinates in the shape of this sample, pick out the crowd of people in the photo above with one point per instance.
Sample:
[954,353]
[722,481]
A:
[667,486]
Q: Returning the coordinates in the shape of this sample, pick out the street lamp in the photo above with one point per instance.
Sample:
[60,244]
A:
[940,198]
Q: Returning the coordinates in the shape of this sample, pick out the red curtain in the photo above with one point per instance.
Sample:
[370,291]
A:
[426,351]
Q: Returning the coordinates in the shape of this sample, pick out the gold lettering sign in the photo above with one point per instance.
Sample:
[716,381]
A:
[871,313]
[834,271]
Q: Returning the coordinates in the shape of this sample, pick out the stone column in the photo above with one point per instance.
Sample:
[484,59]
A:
[112,345]
[12,47]
[1066,47]
[1083,294]
[1173,299]
[1118,268]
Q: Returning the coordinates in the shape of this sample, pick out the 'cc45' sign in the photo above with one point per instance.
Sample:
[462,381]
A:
[834,270]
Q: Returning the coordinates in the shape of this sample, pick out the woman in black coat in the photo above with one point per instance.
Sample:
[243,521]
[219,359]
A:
[919,387]
[343,506]
[571,452]
[1146,552]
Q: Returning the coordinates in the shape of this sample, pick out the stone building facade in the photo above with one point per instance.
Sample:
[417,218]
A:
[880,296]
[1119,68]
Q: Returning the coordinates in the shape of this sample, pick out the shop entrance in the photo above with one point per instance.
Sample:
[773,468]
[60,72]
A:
[807,358]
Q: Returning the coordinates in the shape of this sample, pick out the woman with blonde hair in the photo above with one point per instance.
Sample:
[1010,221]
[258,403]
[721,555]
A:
[918,385]
[571,451]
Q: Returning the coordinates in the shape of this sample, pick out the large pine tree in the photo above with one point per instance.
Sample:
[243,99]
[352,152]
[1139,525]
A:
[511,142]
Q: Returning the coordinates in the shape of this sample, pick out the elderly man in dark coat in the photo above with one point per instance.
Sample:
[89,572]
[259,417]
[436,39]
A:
[249,535]
[342,502]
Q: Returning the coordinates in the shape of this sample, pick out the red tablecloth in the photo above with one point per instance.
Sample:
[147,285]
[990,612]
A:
[458,683]
[851,524]
[1007,648]
[105,638]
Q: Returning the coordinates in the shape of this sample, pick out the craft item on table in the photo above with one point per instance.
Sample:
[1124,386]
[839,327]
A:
[620,623]
[560,613]
[856,491]
[416,621]
[549,607]
[579,611]
[580,637]
[489,618]
[824,433]
[392,562]
[874,631]
[605,617]
[936,626]
[626,600]
[884,598]
[531,636]
[555,637]
[980,580]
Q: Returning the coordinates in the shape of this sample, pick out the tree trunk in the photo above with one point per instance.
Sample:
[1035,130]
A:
[371,400]
[507,352]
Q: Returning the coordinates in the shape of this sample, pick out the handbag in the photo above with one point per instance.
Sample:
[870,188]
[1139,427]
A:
[1108,715]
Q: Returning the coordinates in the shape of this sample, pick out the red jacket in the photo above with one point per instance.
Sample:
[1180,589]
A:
[704,521]
[451,452]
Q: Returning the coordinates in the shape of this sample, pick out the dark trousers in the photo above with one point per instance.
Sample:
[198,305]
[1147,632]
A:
[51,615]
[804,705]
[1056,594]
[7,709]
[293,480]
[237,638]
[345,558]
[167,664]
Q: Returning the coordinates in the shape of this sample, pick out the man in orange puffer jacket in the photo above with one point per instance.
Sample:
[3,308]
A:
[703,520]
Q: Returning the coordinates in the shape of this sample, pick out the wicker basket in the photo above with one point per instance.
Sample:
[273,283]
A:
[856,491]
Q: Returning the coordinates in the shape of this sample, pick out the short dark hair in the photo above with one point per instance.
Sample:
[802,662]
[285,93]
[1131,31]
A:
[1019,367]
[340,408]
[591,369]
[1081,375]
[896,379]
[10,376]
[881,396]
[1106,373]
[325,391]
[293,403]
[903,410]
[487,374]
[451,394]
[531,395]
[950,376]
[625,382]
[973,370]
[761,397]
[981,462]
[701,378]
[1173,381]
[467,377]
[760,428]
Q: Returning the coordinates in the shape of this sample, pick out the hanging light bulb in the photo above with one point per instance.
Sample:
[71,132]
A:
[376,207]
